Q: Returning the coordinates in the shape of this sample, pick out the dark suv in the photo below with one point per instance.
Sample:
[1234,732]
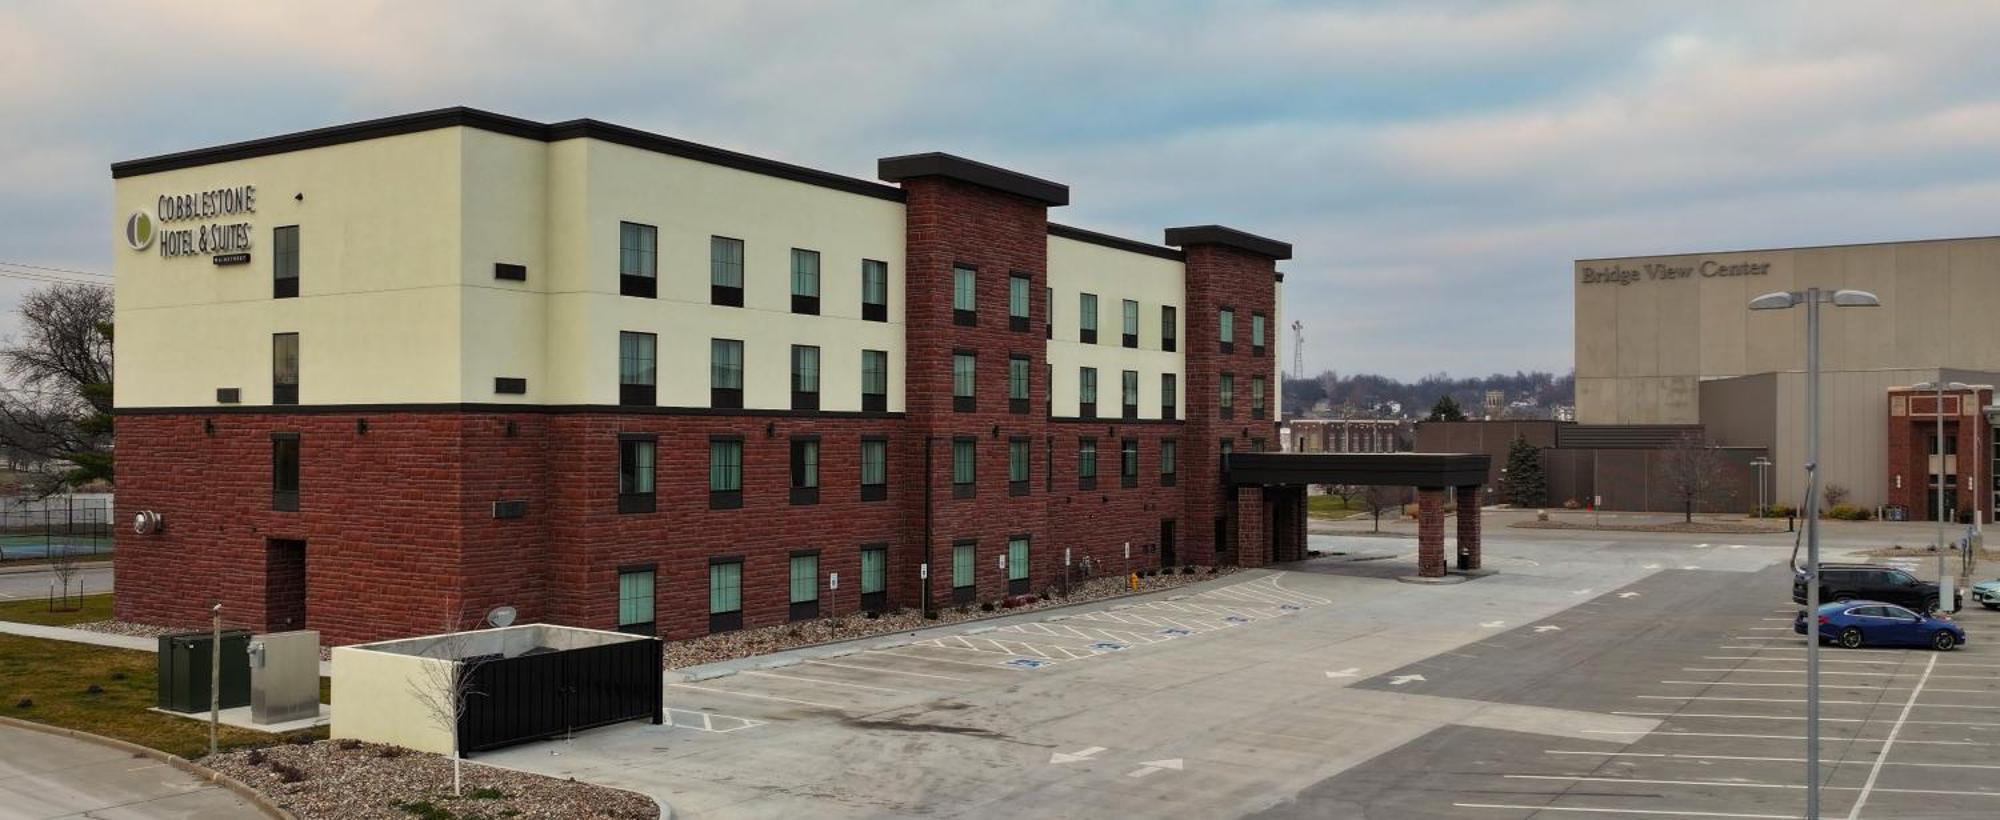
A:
[1870,582]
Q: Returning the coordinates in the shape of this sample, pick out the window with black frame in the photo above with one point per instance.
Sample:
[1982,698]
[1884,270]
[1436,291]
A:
[635,599]
[1129,393]
[964,467]
[875,577]
[805,470]
[1018,466]
[638,260]
[805,377]
[725,473]
[1086,464]
[637,369]
[725,594]
[874,381]
[1169,396]
[1017,383]
[1130,325]
[804,586]
[805,281]
[284,368]
[1086,321]
[725,271]
[874,469]
[964,296]
[1128,462]
[637,459]
[874,290]
[725,373]
[285,262]
[1018,307]
[1086,392]
[285,465]
[964,381]
[1017,565]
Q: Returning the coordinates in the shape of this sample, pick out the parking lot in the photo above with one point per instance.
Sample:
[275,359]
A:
[1642,676]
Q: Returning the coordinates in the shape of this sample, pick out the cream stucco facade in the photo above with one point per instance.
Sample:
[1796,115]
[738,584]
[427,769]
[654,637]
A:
[1656,337]
[1076,268]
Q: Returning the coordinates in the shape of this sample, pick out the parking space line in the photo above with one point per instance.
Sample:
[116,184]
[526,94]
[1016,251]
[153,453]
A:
[1794,660]
[1823,719]
[813,704]
[889,670]
[1761,700]
[930,659]
[1728,670]
[1738,784]
[1646,812]
[1894,730]
[763,674]
[1688,756]
[1658,733]
[1823,684]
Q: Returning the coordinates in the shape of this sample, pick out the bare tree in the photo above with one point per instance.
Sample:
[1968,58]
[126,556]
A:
[63,563]
[1344,492]
[58,412]
[444,689]
[1834,494]
[1379,498]
[1692,469]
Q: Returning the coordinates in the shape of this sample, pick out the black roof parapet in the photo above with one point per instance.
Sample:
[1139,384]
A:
[1228,237]
[938,164]
[1390,469]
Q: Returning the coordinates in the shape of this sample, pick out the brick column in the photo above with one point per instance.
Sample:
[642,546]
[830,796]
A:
[1468,527]
[1430,532]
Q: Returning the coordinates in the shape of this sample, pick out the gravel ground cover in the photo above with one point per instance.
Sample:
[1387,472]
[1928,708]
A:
[1712,527]
[350,780]
[762,640]
[128,628]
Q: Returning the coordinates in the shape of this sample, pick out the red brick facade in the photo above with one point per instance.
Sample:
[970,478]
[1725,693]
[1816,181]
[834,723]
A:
[1913,423]
[396,504]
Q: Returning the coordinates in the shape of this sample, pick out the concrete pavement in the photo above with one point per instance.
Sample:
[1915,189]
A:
[48,776]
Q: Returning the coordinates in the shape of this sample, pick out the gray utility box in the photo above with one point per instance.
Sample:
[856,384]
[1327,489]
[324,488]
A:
[184,664]
[284,677]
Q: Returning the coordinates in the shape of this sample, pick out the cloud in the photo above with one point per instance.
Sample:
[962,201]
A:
[1437,166]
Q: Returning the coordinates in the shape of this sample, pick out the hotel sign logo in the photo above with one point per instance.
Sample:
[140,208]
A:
[1658,271]
[220,229]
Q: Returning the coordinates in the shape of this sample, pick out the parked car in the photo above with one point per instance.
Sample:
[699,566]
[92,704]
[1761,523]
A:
[1987,594]
[1856,624]
[1871,582]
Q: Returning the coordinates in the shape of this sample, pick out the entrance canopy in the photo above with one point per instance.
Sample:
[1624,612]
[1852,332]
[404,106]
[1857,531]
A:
[1430,473]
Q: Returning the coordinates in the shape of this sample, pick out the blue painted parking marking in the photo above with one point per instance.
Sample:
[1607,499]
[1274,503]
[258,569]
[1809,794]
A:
[1176,631]
[1289,607]
[1108,646]
[1236,619]
[1025,663]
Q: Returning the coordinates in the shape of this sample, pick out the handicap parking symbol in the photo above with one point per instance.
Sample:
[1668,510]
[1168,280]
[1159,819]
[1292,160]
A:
[1289,607]
[1236,619]
[1107,646]
[1025,663]
[1176,631]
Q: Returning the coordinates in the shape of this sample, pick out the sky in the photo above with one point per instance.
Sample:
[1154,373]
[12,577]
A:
[1436,166]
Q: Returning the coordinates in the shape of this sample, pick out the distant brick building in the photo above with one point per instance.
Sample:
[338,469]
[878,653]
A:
[1347,435]
[379,375]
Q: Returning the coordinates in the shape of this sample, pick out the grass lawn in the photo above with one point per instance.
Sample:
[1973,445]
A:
[86,558]
[36,611]
[57,677]
[1330,506]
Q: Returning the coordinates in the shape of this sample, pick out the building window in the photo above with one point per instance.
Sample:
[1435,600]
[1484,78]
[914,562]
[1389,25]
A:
[964,560]
[874,469]
[284,368]
[725,271]
[875,380]
[1017,565]
[1226,390]
[1226,448]
[725,373]
[1131,323]
[285,262]
[1129,391]
[1017,466]
[1086,318]
[1170,454]
[285,472]
[1256,334]
[805,586]
[964,296]
[725,594]
[805,471]
[1169,396]
[1256,397]
[1086,392]
[635,600]
[1086,464]
[635,473]
[805,281]
[964,467]
[1227,330]
[1018,309]
[1128,462]
[1049,321]
[1169,328]
[875,578]
[637,374]
[1017,384]
[964,381]
[725,473]
[805,377]
[1049,464]
[1256,445]
[874,290]
[638,260]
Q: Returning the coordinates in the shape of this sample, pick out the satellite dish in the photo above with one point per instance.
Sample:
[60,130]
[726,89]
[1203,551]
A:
[501,616]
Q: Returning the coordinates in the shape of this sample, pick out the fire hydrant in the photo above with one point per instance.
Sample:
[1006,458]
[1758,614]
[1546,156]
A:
[1133,582]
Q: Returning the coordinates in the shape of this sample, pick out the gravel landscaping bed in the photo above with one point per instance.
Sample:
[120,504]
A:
[1713,527]
[350,780]
[762,640]
[128,628]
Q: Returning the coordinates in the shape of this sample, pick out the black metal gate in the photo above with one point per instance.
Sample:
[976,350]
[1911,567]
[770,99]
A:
[536,696]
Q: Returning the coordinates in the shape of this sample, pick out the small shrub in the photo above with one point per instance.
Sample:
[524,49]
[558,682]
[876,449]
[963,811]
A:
[255,757]
[423,809]
[287,773]
[872,615]
[389,752]
[986,606]
[930,614]
[347,744]
[1834,495]
[25,703]
[1849,512]
[118,676]
[485,793]
[94,690]
[301,739]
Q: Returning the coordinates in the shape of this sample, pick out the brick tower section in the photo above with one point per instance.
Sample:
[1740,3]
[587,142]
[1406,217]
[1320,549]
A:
[1223,276]
[1430,532]
[1468,526]
[999,233]
[1913,422]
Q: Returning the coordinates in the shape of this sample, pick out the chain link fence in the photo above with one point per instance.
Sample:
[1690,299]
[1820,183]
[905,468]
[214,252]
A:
[40,528]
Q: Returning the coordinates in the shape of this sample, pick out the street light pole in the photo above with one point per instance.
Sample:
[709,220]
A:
[1811,299]
[1763,498]
[1937,412]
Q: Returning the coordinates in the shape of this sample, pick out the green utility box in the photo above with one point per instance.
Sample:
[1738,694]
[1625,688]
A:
[184,665]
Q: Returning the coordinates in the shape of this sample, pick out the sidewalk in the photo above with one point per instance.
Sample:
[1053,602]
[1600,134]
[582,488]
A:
[46,776]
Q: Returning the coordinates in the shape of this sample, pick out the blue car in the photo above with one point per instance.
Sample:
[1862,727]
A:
[1855,624]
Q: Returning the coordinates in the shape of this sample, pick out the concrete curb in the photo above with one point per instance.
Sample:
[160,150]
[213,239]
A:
[254,797]
[23,569]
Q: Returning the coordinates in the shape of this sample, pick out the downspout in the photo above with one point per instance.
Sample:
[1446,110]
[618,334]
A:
[925,575]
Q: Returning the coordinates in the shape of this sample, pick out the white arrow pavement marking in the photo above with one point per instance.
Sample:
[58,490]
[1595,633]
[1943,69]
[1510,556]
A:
[1152,766]
[1548,628]
[1344,673]
[1399,680]
[1628,594]
[1701,546]
[1736,546]
[1690,566]
[1651,566]
[1493,624]
[1072,757]
[1585,591]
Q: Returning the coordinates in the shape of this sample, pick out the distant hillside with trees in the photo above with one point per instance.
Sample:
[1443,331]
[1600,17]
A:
[1366,395]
